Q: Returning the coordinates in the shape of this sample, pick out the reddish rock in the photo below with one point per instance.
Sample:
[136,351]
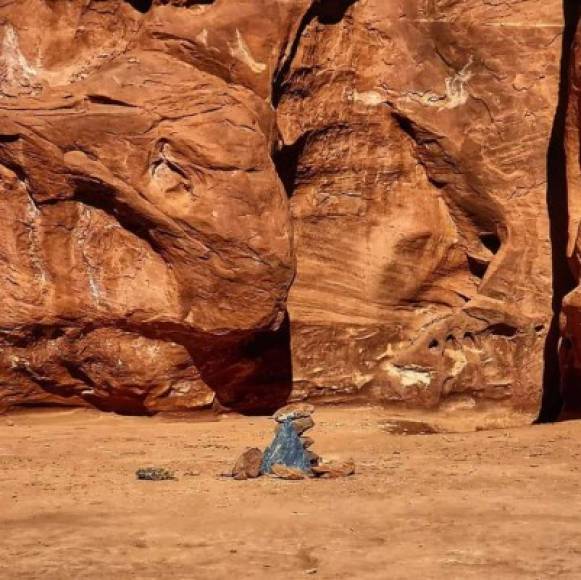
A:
[146,245]
[247,466]
[293,411]
[284,472]
[145,252]
[415,140]
[565,176]
[299,425]
[334,469]
[313,457]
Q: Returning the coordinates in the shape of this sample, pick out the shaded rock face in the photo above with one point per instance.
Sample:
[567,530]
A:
[147,252]
[567,161]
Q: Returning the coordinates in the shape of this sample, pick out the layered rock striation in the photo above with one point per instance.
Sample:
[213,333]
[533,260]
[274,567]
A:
[243,203]
[416,135]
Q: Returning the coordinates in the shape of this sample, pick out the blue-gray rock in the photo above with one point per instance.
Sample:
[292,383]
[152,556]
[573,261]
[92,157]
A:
[286,449]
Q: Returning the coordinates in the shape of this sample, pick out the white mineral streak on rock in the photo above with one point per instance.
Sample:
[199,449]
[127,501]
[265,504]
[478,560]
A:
[84,228]
[369,98]
[202,38]
[240,50]
[460,361]
[409,376]
[15,62]
[455,95]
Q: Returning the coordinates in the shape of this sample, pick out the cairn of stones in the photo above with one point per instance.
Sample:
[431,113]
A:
[290,456]
[290,452]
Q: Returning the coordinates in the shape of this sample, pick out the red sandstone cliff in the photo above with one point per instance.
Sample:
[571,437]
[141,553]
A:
[147,253]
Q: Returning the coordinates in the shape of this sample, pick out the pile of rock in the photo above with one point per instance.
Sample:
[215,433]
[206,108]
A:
[290,456]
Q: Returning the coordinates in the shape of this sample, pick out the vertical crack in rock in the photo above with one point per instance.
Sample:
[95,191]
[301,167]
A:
[286,161]
[327,12]
[557,206]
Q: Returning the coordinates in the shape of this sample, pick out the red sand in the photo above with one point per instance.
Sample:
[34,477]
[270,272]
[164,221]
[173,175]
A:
[490,504]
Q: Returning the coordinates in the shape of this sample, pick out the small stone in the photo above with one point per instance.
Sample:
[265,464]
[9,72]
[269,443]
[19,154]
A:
[307,442]
[313,457]
[10,423]
[284,472]
[303,424]
[311,571]
[334,469]
[247,466]
[299,425]
[155,474]
[293,411]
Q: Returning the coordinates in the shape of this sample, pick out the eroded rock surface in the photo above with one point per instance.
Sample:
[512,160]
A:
[416,136]
[145,235]
[146,243]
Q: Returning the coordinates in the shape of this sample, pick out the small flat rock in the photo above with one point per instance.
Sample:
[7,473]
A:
[293,411]
[303,424]
[299,425]
[313,457]
[334,469]
[285,472]
[154,474]
[247,466]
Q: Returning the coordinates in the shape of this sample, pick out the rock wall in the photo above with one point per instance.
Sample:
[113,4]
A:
[145,241]
[568,157]
[155,158]
[418,133]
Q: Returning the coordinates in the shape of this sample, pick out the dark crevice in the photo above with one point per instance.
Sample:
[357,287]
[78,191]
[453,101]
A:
[332,11]
[105,100]
[502,329]
[406,125]
[269,385]
[557,206]
[286,161]
[477,267]
[145,6]
[9,138]
[278,84]
[490,241]
[32,335]
[142,6]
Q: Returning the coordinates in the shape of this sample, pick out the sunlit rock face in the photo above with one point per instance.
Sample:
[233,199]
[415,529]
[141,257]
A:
[416,137]
[147,253]
[145,236]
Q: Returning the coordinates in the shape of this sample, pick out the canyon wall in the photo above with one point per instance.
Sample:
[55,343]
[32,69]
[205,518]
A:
[419,132]
[233,204]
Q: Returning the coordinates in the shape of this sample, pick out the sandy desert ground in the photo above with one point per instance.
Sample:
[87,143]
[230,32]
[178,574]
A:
[487,504]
